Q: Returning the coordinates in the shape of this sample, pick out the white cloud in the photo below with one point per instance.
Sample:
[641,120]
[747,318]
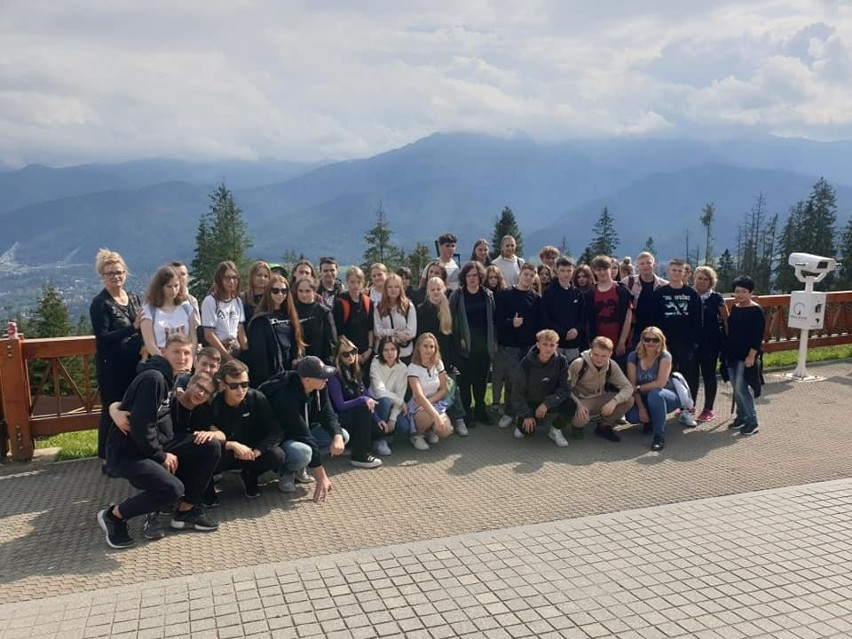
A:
[83,80]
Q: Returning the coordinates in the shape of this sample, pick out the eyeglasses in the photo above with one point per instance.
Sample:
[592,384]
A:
[232,277]
[236,385]
[113,273]
[349,353]
[651,340]
[204,392]
[278,291]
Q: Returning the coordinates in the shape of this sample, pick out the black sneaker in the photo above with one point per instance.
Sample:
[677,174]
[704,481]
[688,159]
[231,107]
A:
[250,488]
[193,519]
[114,529]
[482,417]
[152,528]
[658,443]
[647,429]
[738,422]
[366,461]
[749,429]
[210,501]
[606,432]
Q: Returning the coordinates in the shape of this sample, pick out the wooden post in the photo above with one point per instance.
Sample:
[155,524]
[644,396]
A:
[15,395]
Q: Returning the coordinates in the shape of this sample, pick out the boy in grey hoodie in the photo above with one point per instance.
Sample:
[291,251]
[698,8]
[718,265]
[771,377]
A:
[590,374]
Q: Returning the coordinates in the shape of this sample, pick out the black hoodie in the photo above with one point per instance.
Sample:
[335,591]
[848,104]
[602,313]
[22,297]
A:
[148,401]
[535,382]
[297,410]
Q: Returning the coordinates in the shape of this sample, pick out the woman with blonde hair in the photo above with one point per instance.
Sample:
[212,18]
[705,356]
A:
[427,380]
[275,333]
[115,315]
[258,281]
[433,269]
[714,324]
[649,369]
[166,311]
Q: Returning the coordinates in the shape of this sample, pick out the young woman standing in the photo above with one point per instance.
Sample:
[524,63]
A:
[222,314]
[275,333]
[395,317]
[166,311]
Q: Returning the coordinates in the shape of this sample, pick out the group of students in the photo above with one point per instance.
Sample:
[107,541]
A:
[280,379]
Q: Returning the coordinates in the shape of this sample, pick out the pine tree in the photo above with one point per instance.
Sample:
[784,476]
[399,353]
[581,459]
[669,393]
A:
[649,246]
[707,215]
[844,281]
[726,272]
[222,235]
[605,239]
[789,242]
[50,317]
[379,246]
[417,260]
[563,247]
[503,226]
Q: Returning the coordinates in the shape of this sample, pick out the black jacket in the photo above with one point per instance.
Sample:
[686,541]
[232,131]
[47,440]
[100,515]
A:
[318,330]
[251,423]
[269,351]
[296,411]
[148,401]
[535,382]
[563,309]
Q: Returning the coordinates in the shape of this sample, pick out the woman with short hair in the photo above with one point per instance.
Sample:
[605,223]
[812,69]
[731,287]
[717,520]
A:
[741,353]
[115,315]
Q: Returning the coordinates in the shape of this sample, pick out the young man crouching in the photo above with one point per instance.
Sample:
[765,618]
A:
[590,374]
[540,390]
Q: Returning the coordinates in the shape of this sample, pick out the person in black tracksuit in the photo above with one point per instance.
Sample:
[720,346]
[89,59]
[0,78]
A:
[563,310]
[163,469]
[251,429]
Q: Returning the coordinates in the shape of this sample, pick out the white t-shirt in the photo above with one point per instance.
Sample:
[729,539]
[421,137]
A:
[510,268]
[224,317]
[430,380]
[452,269]
[179,320]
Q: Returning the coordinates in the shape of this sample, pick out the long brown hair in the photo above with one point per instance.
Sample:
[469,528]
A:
[154,294]
[385,307]
[267,306]
[218,288]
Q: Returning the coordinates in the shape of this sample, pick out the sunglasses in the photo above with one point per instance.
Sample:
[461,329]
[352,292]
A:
[349,353]
[651,340]
[278,291]
[236,385]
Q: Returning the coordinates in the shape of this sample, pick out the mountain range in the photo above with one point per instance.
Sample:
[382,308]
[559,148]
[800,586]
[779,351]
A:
[149,209]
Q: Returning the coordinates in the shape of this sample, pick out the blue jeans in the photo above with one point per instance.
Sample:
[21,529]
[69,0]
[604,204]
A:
[323,438]
[296,455]
[746,411]
[659,403]
[383,409]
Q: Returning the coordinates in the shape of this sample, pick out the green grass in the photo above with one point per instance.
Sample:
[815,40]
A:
[76,445]
[85,443]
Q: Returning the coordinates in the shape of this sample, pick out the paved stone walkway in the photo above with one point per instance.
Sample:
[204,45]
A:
[774,564]
[50,545]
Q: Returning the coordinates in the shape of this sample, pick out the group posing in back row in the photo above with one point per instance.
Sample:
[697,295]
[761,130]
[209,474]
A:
[287,369]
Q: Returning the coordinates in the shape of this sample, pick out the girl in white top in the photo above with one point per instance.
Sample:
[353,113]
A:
[395,316]
[166,311]
[428,382]
[388,385]
[222,313]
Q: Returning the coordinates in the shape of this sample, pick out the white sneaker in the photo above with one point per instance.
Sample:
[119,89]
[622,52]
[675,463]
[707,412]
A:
[558,438]
[496,409]
[505,421]
[687,419]
[419,442]
[381,448]
[432,438]
[287,483]
[518,433]
[461,428]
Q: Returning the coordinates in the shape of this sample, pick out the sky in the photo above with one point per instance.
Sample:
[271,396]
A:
[93,81]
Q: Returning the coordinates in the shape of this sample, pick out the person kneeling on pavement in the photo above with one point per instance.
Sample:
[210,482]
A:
[300,400]
[251,430]
[539,390]
[590,374]
[166,470]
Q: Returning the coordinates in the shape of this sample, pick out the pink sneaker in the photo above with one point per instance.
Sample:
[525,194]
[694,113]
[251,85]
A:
[706,416]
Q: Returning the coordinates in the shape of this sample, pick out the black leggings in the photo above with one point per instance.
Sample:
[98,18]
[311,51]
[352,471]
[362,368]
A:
[473,376]
[685,362]
[708,359]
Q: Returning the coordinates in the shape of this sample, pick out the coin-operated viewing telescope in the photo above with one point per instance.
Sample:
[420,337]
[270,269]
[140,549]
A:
[807,308]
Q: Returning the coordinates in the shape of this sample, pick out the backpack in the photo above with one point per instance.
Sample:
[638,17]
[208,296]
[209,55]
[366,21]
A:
[585,367]
[347,307]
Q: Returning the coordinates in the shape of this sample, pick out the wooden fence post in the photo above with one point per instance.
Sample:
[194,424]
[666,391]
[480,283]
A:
[15,395]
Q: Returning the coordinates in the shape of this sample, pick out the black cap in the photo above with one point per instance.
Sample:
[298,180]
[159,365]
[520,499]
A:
[312,366]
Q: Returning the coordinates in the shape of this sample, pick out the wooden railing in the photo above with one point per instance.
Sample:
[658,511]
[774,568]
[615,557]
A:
[27,412]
